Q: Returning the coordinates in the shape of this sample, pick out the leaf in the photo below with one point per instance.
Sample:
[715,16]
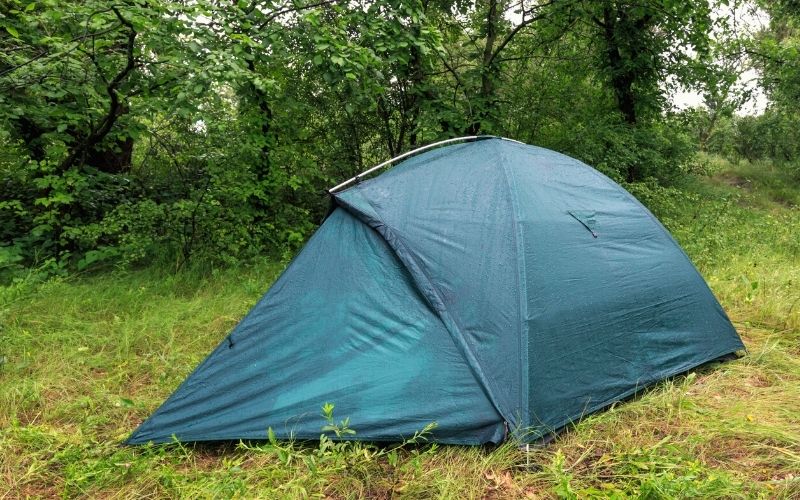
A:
[12,31]
[93,256]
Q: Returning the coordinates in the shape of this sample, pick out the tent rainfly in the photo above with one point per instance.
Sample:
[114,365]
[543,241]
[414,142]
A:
[497,289]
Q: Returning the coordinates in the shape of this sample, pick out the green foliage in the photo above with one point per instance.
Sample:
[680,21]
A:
[172,139]
[660,151]
[645,48]
[341,429]
[205,133]
[775,52]
[768,136]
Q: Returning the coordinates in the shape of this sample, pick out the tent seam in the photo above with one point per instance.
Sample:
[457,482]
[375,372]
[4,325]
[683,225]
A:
[522,286]
[440,308]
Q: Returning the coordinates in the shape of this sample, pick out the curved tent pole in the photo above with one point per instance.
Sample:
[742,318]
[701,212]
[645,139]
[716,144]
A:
[467,138]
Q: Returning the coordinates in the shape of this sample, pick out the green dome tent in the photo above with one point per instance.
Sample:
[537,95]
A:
[491,287]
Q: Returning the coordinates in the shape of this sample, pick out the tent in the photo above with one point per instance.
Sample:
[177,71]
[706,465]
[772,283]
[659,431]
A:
[493,288]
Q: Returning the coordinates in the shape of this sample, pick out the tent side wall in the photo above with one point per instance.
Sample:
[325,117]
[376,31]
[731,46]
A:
[343,324]
[613,303]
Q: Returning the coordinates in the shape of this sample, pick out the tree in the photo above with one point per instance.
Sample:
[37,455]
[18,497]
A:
[67,76]
[644,43]
[775,53]
[140,128]
[479,38]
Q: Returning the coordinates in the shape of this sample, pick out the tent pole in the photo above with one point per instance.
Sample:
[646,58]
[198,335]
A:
[467,138]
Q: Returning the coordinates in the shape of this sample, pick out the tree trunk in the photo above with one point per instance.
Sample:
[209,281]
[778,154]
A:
[114,160]
[413,105]
[486,96]
[261,101]
[622,77]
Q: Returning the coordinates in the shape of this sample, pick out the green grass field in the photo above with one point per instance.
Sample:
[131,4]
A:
[84,360]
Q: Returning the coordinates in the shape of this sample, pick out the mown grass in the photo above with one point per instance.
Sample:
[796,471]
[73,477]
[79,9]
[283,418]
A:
[84,360]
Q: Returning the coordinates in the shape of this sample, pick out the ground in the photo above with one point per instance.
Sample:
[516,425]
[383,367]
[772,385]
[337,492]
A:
[84,359]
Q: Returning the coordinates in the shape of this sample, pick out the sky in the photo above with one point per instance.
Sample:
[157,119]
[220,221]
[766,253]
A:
[745,17]
[749,79]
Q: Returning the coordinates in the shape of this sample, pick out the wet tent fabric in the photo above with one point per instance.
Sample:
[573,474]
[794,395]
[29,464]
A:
[491,287]
[343,324]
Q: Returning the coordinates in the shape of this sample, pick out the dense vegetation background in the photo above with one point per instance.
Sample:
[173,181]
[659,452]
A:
[208,131]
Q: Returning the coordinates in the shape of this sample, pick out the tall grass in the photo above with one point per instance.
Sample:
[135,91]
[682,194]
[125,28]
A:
[84,360]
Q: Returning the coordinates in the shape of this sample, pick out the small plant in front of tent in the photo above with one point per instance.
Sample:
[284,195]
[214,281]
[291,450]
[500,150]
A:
[336,451]
[341,429]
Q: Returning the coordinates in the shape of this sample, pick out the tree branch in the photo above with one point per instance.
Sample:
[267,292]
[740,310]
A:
[98,134]
[294,8]
[521,26]
[44,53]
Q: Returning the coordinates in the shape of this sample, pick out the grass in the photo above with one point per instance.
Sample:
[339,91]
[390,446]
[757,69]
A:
[84,360]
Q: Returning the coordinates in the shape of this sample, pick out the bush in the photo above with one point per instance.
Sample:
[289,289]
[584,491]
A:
[660,151]
[200,200]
